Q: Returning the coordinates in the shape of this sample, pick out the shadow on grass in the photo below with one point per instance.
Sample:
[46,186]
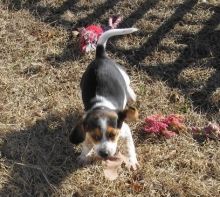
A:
[48,15]
[202,50]
[53,17]
[40,157]
[148,47]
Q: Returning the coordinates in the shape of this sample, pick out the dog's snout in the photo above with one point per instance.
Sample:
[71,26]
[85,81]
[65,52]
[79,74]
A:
[103,153]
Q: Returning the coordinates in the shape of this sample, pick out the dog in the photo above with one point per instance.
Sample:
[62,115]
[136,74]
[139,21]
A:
[105,89]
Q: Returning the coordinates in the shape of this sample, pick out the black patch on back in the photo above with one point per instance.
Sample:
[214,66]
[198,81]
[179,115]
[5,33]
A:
[103,78]
[100,51]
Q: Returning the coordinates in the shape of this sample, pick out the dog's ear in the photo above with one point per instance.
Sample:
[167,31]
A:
[129,114]
[78,133]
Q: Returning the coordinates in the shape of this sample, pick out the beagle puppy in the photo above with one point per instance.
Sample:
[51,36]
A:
[105,88]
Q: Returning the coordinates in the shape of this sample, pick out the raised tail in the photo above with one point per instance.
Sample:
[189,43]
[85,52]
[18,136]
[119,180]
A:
[101,44]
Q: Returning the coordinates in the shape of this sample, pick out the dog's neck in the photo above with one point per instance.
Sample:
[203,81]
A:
[100,101]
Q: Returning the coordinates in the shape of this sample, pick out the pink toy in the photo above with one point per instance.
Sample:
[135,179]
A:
[211,131]
[90,34]
[167,126]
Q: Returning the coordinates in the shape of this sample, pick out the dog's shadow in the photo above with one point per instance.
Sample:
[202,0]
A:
[39,157]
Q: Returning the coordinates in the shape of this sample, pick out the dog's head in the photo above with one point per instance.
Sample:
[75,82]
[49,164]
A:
[101,127]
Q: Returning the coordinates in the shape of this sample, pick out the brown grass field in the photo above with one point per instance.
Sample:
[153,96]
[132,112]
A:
[174,65]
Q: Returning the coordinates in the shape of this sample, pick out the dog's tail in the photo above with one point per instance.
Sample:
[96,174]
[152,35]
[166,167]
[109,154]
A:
[100,49]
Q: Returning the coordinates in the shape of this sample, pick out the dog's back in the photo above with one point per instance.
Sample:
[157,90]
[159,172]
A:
[104,79]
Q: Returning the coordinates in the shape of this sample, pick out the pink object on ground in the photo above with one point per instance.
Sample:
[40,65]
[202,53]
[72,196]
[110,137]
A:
[211,131]
[89,35]
[167,126]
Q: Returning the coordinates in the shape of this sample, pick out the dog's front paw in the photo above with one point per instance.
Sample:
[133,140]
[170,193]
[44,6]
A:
[133,163]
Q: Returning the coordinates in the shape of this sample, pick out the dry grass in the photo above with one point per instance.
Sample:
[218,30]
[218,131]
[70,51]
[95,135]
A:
[196,77]
[174,66]
[215,97]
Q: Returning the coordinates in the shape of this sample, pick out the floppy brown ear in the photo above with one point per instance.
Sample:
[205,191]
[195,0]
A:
[129,114]
[78,133]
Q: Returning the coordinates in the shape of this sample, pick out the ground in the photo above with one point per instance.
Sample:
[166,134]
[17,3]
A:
[174,65]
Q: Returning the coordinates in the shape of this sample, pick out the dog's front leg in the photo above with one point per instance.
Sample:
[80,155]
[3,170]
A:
[126,134]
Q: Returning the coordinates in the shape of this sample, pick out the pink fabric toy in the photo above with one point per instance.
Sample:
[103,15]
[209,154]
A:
[89,37]
[211,131]
[90,34]
[167,126]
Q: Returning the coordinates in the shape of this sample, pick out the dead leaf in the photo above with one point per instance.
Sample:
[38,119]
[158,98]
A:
[137,187]
[75,33]
[113,166]
[174,97]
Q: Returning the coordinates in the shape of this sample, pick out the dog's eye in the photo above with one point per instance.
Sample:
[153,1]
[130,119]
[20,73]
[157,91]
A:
[110,135]
[112,122]
[97,137]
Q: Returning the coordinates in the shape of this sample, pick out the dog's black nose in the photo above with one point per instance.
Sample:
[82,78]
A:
[103,153]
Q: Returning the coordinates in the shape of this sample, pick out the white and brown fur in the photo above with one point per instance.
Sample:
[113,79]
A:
[106,91]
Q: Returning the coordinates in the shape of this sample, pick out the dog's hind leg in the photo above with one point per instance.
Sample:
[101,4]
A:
[131,96]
